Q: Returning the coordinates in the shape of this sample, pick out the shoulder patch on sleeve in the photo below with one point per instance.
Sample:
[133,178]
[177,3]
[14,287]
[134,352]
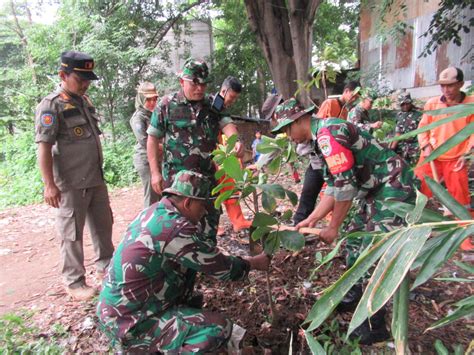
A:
[47,119]
[338,157]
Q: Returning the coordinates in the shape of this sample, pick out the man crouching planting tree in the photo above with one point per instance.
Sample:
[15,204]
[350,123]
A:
[355,166]
[147,303]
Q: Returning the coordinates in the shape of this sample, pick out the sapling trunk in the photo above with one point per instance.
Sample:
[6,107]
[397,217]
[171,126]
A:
[273,313]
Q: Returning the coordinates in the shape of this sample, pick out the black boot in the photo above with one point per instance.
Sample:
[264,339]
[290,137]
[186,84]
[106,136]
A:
[196,300]
[374,331]
[351,299]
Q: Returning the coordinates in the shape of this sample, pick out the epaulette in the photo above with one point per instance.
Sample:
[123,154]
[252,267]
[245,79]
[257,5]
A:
[52,96]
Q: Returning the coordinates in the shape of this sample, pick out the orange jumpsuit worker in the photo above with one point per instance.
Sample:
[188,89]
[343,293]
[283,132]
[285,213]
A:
[451,165]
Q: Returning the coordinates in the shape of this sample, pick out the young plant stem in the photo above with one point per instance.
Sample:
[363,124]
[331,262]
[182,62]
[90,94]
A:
[400,317]
[269,287]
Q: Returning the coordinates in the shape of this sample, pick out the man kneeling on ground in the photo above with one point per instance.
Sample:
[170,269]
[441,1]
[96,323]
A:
[146,302]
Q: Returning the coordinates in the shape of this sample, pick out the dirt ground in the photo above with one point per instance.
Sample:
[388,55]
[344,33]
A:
[30,280]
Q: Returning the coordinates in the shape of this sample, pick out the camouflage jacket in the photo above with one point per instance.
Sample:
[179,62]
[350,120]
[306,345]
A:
[139,124]
[190,133]
[70,123]
[360,117]
[153,265]
[355,164]
[407,122]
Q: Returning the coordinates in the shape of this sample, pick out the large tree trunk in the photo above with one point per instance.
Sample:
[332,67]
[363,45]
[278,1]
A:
[285,36]
[302,13]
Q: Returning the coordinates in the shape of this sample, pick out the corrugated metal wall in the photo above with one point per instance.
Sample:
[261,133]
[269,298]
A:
[398,64]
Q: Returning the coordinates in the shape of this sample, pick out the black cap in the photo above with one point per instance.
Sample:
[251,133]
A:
[80,63]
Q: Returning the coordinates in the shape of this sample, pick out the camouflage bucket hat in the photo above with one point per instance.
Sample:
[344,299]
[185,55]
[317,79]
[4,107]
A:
[190,184]
[196,71]
[289,111]
[404,98]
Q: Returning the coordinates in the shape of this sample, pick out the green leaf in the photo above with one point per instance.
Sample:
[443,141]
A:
[430,244]
[247,191]
[447,200]
[466,308]
[466,267]
[274,165]
[328,257]
[260,232]
[292,196]
[389,273]
[291,240]
[232,168]
[274,190]
[453,279]
[314,346]
[441,253]
[271,243]
[219,173]
[268,202]
[263,219]
[440,348]
[453,141]
[231,143]
[221,186]
[461,111]
[286,216]
[221,198]
[267,148]
[334,294]
[402,209]
[420,204]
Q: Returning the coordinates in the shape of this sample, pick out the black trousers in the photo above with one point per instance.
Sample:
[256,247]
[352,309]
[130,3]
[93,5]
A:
[313,182]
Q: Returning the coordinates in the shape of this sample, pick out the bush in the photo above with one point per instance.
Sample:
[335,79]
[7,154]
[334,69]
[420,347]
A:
[20,178]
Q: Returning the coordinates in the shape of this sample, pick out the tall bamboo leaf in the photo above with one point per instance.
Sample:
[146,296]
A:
[430,244]
[334,294]
[420,204]
[447,200]
[314,346]
[453,141]
[389,273]
[402,209]
[465,308]
[441,254]
[461,111]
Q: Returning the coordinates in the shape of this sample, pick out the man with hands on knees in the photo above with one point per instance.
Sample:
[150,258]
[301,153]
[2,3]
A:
[184,131]
[355,166]
[147,303]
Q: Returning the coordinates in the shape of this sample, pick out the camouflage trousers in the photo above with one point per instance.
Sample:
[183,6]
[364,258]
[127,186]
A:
[410,152]
[373,216]
[180,330]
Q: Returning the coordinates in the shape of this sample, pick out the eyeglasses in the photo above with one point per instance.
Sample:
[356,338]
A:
[195,82]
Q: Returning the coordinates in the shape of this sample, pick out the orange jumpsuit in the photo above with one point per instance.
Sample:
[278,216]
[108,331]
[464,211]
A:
[456,181]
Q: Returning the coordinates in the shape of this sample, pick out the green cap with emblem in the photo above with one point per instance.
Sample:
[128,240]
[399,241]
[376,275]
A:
[190,184]
[196,71]
[289,111]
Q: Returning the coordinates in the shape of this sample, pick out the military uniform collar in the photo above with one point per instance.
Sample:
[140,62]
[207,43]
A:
[180,98]
[315,125]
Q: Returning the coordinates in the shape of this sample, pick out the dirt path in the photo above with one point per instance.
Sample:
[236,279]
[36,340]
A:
[29,250]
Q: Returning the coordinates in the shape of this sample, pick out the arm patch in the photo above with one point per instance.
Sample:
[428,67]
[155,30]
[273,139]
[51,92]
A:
[338,158]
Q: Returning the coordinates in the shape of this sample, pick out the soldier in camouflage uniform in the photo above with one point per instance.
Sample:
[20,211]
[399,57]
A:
[70,159]
[359,115]
[188,130]
[355,166]
[407,120]
[145,103]
[143,305]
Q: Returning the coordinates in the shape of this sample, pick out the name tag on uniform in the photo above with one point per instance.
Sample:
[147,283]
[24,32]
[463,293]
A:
[338,158]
